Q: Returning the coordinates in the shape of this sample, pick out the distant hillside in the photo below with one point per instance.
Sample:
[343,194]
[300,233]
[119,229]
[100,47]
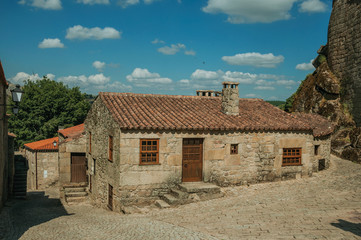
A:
[277,103]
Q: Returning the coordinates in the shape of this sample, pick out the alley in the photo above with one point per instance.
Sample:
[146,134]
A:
[325,206]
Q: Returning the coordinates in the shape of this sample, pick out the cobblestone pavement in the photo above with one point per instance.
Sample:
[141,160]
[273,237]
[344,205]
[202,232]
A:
[325,206]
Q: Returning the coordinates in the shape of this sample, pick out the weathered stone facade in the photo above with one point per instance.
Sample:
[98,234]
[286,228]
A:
[259,158]
[3,139]
[66,148]
[43,169]
[344,52]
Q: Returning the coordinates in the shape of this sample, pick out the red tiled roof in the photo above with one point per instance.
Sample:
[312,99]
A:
[46,144]
[72,132]
[11,135]
[2,76]
[147,111]
[320,125]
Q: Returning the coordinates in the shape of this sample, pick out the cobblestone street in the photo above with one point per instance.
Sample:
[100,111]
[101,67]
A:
[325,206]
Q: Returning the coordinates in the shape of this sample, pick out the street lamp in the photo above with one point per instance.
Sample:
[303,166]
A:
[16,95]
[54,143]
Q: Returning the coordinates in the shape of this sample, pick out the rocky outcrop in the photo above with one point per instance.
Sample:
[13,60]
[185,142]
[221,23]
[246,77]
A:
[334,88]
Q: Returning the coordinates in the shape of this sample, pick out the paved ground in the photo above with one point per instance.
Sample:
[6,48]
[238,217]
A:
[325,206]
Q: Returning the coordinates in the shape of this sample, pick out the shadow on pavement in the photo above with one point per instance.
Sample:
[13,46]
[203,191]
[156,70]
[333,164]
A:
[19,215]
[354,228]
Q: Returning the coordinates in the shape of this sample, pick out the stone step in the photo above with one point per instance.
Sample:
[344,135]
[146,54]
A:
[75,185]
[76,194]
[199,187]
[75,199]
[161,204]
[74,189]
[170,199]
[178,193]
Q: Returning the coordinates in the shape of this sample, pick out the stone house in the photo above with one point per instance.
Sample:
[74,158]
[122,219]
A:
[141,145]
[3,139]
[72,160]
[42,157]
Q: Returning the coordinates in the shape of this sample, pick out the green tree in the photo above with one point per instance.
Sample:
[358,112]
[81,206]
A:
[46,105]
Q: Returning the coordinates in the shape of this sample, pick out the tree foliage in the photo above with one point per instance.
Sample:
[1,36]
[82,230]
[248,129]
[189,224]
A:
[46,105]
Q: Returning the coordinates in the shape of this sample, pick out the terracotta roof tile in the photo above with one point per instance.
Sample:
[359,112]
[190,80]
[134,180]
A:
[11,135]
[169,112]
[72,132]
[2,76]
[46,144]
[320,125]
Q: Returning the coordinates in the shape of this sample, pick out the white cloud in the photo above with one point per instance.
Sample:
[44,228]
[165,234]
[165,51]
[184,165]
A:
[143,78]
[156,41]
[173,49]
[44,4]
[251,95]
[251,11]
[190,52]
[203,79]
[20,77]
[264,88]
[50,76]
[92,2]
[127,3]
[82,80]
[313,6]
[114,87]
[80,32]
[51,43]
[305,66]
[99,65]
[150,1]
[254,59]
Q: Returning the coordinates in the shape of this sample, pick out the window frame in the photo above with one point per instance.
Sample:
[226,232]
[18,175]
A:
[110,148]
[233,149]
[295,156]
[146,151]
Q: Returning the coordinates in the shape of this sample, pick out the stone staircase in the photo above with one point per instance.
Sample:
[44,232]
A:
[75,193]
[20,178]
[186,193]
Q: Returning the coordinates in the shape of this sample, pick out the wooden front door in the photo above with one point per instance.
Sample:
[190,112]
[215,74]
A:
[192,160]
[78,167]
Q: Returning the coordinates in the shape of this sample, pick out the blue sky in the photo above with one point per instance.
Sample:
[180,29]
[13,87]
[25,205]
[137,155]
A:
[164,46]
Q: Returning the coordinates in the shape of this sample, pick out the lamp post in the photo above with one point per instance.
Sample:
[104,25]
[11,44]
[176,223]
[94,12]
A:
[54,143]
[16,95]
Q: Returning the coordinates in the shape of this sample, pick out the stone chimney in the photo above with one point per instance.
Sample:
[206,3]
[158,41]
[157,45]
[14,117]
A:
[230,98]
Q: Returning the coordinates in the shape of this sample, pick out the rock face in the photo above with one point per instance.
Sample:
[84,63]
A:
[334,89]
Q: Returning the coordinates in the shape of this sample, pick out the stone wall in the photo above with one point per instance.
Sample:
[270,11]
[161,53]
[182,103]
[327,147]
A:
[66,147]
[43,169]
[324,152]
[259,159]
[344,52]
[3,146]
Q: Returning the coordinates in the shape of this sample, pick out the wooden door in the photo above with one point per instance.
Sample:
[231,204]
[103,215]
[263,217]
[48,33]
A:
[78,167]
[192,160]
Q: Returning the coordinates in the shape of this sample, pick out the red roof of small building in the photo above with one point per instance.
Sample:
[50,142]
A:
[2,76]
[46,144]
[11,135]
[320,125]
[72,132]
[148,111]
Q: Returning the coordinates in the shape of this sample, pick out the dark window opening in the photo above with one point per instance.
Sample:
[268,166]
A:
[234,148]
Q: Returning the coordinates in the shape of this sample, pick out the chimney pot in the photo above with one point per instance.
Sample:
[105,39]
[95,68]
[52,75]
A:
[230,98]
